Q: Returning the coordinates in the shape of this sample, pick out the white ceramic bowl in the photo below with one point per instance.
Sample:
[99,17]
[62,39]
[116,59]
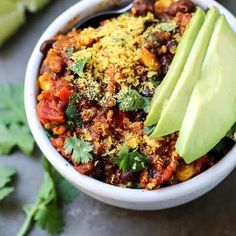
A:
[126,198]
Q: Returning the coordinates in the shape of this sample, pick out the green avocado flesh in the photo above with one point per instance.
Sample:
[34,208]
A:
[176,68]
[212,108]
[35,5]
[173,111]
[11,17]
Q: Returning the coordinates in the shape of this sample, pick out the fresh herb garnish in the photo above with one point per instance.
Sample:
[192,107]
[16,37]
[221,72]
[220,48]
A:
[167,27]
[46,212]
[130,161]
[130,100]
[6,174]
[79,64]
[72,113]
[79,149]
[14,129]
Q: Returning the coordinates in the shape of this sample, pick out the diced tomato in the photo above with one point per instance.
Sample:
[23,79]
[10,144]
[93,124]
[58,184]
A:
[50,109]
[64,94]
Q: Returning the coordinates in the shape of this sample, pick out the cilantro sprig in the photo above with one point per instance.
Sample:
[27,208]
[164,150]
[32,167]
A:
[14,129]
[131,100]
[6,175]
[72,113]
[80,62]
[46,212]
[168,26]
[79,149]
[131,161]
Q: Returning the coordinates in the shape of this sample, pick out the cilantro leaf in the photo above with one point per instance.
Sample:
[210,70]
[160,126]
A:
[167,27]
[14,129]
[50,218]
[12,104]
[66,192]
[79,149]
[232,133]
[15,136]
[72,112]
[46,211]
[130,100]
[4,192]
[6,174]
[130,161]
[78,66]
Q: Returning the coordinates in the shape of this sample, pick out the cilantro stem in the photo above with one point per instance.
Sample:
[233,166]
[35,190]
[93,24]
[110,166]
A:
[27,223]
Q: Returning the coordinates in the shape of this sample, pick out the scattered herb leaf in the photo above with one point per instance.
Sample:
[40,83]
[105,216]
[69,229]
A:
[167,27]
[13,124]
[15,136]
[130,100]
[79,64]
[6,174]
[72,113]
[130,161]
[79,149]
[46,211]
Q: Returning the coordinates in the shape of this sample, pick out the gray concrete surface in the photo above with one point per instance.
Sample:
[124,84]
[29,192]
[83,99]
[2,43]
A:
[213,214]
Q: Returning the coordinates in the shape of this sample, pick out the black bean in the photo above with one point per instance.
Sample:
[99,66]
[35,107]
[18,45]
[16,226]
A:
[127,177]
[46,45]
[165,62]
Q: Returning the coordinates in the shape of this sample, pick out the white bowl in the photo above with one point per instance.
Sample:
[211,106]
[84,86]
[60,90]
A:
[126,198]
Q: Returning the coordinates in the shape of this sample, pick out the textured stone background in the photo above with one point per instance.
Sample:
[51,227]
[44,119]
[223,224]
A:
[213,214]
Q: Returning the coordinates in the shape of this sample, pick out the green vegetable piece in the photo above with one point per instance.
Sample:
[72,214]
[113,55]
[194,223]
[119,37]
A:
[14,130]
[79,64]
[72,112]
[167,27]
[131,100]
[173,112]
[12,104]
[11,18]
[66,192]
[164,91]
[79,149]
[212,108]
[6,175]
[4,192]
[46,211]
[130,161]
[15,136]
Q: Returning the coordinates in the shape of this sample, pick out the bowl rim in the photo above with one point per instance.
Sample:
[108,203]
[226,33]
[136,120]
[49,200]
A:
[206,180]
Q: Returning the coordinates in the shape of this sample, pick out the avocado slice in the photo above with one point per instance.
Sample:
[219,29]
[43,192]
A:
[173,112]
[212,108]
[168,84]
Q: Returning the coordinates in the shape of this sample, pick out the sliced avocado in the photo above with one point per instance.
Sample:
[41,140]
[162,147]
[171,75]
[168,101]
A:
[212,108]
[176,67]
[11,17]
[173,112]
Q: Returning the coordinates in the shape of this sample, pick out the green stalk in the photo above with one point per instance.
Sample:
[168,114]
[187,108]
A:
[29,217]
